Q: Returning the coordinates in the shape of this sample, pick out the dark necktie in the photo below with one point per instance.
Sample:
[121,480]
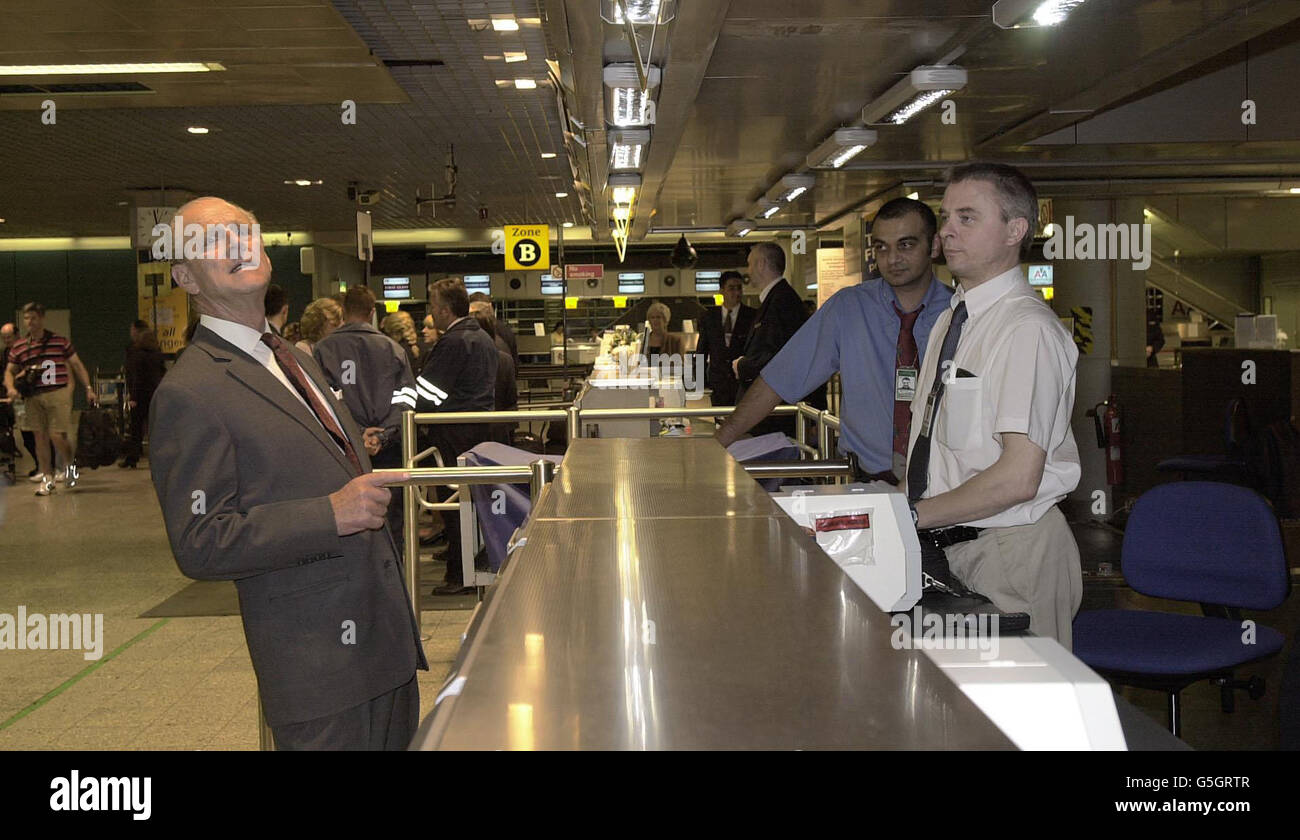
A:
[726,328]
[918,465]
[284,358]
[907,356]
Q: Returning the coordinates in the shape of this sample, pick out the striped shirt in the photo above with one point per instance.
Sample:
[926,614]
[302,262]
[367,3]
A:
[51,352]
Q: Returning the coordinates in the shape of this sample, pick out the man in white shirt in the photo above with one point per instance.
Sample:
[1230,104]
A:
[991,450]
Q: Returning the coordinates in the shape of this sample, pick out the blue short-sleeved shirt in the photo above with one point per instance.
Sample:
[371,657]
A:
[855,333]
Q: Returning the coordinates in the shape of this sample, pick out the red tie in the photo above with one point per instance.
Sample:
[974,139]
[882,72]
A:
[907,357]
[288,364]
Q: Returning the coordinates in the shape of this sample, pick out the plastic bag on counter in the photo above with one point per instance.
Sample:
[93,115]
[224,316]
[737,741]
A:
[845,535]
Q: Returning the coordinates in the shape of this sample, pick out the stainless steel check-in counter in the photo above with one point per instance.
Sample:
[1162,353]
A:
[661,600]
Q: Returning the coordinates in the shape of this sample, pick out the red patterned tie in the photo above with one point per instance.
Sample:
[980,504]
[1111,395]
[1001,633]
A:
[907,357]
[288,364]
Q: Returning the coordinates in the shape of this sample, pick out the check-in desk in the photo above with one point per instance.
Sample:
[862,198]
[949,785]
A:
[661,600]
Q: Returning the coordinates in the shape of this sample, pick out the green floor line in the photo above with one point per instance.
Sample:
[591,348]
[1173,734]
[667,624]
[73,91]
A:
[77,677]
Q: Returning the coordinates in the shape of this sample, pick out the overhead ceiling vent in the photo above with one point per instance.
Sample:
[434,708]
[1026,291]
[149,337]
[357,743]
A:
[80,88]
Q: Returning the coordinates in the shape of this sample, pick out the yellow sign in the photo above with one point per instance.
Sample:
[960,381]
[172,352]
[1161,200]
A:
[169,312]
[528,247]
[570,303]
[620,301]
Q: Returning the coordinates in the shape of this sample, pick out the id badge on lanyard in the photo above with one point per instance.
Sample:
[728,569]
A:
[905,384]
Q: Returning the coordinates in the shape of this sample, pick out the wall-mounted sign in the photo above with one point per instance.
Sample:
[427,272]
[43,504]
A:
[585,272]
[528,247]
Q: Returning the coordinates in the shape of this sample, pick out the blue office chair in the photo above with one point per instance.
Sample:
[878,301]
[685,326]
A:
[1234,464]
[1216,544]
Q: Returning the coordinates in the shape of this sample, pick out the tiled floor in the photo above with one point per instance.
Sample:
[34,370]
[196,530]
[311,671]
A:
[175,683]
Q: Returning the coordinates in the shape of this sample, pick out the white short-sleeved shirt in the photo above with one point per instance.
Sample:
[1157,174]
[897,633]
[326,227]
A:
[1023,365]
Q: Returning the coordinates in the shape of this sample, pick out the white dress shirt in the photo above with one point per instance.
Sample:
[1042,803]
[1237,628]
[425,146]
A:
[250,341]
[1023,361]
[762,296]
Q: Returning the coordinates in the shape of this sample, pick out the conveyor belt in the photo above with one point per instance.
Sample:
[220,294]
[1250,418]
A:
[663,601]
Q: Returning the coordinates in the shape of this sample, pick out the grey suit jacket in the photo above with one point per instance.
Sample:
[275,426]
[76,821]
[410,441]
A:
[243,471]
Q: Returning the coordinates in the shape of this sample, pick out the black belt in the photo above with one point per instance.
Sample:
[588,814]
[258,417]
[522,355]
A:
[945,537]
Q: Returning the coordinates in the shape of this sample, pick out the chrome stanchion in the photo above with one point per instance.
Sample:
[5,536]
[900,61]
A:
[411,520]
[575,423]
[543,474]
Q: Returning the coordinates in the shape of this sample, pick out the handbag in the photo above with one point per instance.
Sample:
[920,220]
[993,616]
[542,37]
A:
[28,379]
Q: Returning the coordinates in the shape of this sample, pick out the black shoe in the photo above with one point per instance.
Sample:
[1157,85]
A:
[453,588]
[439,538]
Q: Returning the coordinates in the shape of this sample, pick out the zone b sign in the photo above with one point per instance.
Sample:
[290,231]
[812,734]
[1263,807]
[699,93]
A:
[528,247]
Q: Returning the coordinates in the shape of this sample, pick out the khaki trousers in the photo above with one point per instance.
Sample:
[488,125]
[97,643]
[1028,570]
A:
[1026,568]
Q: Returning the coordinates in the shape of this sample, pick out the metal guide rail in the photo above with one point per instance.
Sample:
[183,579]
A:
[659,599]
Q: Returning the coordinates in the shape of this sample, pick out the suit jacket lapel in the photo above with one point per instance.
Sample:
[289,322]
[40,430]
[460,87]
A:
[250,373]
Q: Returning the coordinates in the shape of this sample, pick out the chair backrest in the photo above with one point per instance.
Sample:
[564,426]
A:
[1205,541]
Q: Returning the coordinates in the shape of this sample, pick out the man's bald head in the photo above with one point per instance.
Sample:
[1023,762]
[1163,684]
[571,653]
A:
[230,277]
[7,333]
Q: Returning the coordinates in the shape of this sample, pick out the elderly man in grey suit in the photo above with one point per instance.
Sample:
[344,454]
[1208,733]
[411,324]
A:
[263,479]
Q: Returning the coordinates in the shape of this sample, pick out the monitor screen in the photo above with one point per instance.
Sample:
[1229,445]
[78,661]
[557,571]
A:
[1040,275]
[552,285]
[478,283]
[631,282]
[397,288]
[708,281]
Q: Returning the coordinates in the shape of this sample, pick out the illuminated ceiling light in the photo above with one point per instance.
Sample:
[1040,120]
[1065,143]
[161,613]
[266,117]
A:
[920,89]
[1016,14]
[841,147]
[623,188]
[622,213]
[741,227]
[512,56]
[915,196]
[547,155]
[525,84]
[626,104]
[134,68]
[789,188]
[561,195]
[765,209]
[1294,191]
[638,11]
[567,224]
[303,182]
[627,147]
[505,24]
[197,129]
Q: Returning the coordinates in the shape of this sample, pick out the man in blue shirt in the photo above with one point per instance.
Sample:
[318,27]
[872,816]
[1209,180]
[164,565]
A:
[873,334]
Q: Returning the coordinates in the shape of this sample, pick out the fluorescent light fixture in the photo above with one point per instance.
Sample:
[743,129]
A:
[920,89]
[638,11]
[622,213]
[765,209]
[303,182]
[915,196]
[790,187]
[626,104]
[561,195]
[1015,14]
[623,188]
[505,24]
[525,84]
[133,68]
[741,227]
[627,147]
[547,155]
[1294,191]
[841,147]
[567,224]
[512,56]
[197,129]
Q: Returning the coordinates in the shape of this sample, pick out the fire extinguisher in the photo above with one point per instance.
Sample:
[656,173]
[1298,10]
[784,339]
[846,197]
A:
[1109,438]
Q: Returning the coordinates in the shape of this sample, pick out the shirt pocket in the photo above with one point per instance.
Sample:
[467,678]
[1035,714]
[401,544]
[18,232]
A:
[962,413]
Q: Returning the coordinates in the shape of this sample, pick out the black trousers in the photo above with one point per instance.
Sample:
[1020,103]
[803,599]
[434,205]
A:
[390,458]
[387,722]
[133,448]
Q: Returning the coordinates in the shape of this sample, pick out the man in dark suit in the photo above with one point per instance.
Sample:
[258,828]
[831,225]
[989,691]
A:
[263,479]
[504,331]
[723,332]
[780,315]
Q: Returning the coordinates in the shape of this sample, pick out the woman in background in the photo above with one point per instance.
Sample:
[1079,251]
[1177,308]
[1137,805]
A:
[321,317]
[400,327]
